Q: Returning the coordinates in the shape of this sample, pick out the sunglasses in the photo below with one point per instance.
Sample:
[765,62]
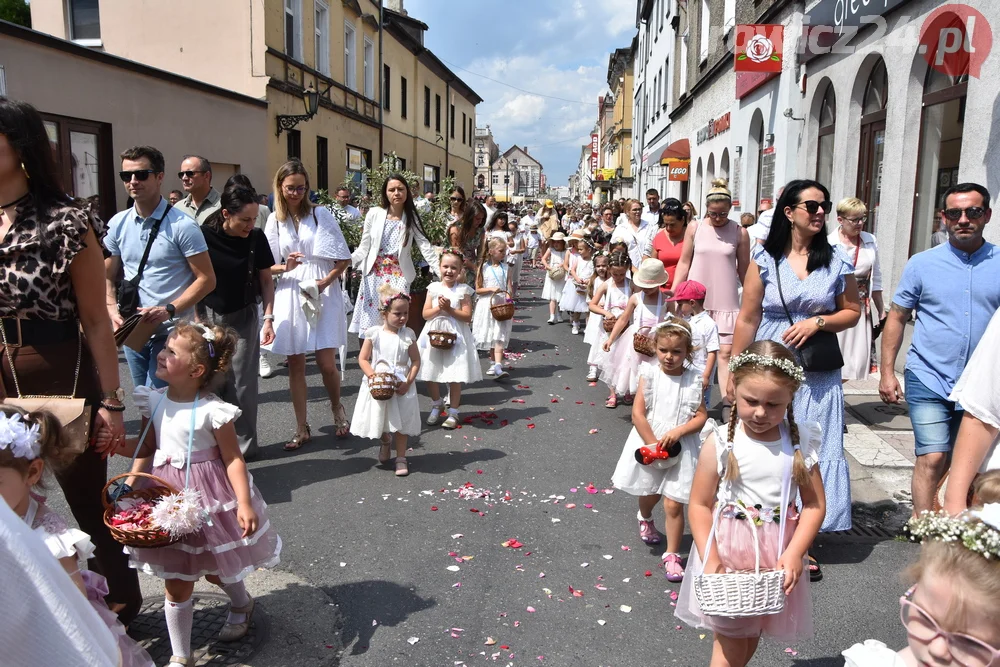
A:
[813,207]
[140,175]
[188,174]
[965,650]
[456,199]
[295,191]
[855,220]
[972,213]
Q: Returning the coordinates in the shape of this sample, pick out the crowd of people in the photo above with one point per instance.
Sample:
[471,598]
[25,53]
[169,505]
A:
[773,313]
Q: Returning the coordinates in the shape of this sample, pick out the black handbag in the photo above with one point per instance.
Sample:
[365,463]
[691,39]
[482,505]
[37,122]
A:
[820,353]
[128,290]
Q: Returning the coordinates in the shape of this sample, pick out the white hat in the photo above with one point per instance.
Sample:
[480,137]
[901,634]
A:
[650,274]
[559,236]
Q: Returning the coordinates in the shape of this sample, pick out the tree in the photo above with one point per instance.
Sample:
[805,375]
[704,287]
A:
[16,11]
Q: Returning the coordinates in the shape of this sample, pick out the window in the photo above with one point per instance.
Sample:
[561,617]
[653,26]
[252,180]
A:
[322,164]
[82,152]
[432,178]
[685,49]
[470,131]
[463,129]
[402,97]
[294,144]
[873,115]
[729,16]
[85,22]
[358,159]
[496,179]
[827,127]
[386,87]
[369,69]
[427,106]
[293,29]
[667,92]
[437,113]
[451,122]
[706,21]
[350,57]
[322,46]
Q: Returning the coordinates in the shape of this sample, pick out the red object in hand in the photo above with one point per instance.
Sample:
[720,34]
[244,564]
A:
[647,455]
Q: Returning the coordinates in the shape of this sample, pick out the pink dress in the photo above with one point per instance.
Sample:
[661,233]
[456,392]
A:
[615,300]
[621,367]
[714,266]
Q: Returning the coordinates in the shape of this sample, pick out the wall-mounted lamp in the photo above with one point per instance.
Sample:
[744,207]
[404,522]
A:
[788,113]
[769,139]
[739,151]
[310,100]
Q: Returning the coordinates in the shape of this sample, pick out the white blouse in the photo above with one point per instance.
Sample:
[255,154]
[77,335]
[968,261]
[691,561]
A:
[172,422]
[868,265]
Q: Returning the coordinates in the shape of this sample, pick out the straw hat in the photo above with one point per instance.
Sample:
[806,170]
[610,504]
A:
[650,274]
[559,236]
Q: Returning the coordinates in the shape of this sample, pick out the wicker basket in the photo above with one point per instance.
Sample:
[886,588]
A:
[609,324]
[149,538]
[557,273]
[441,339]
[502,311]
[382,385]
[642,343]
[581,288]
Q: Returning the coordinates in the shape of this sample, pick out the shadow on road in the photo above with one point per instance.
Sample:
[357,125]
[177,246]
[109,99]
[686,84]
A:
[819,662]
[440,463]
[366,605]
[280,477]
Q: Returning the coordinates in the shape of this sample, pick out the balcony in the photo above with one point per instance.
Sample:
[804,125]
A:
[289,76]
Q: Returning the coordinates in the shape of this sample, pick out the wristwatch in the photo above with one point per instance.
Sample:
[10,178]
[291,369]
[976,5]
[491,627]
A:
[170,310]
[820,323]
[114,395]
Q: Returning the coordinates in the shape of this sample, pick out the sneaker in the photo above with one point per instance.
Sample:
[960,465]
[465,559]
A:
[500,373]
[435,416]
[592,374]
[647,532]
[264,367]
[559,318]
[672,568]
[576,329]
[552,319]
[452,420]
[492,370]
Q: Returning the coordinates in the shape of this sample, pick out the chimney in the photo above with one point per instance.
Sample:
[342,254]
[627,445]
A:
[396,6]
[525,150]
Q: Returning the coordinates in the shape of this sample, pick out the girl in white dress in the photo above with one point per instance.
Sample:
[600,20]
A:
[553,260]
[450,303]
[608,303]
[308,301]
[395,344]
[515,255]
[592,332]
[579,269]
[493,276]
[668,410]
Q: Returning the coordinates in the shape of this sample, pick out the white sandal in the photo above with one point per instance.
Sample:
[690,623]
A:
[231,632]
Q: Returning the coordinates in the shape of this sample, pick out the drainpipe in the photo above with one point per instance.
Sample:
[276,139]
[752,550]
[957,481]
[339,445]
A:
[381,76]
[448,128]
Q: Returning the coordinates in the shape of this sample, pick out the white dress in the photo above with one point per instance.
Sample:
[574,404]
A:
[399,414]
[552,289]
[572,301]
[367,310]
[856,342]
[978,390]
[321,242]
[461,362]
[485,329]
[594,327]
[615,301]
[670,401]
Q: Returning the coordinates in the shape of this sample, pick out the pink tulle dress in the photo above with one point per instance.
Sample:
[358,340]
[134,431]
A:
[65,542]
[764,485]
[621,367]
[615,300]
[219,548]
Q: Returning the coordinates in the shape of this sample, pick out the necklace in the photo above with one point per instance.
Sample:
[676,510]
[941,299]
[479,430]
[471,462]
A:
[16,201]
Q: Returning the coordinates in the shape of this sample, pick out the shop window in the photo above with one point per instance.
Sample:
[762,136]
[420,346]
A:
[432,178]
[942,123]
[824,148]
[873,113]
[402,97]
[85,22]
[84,161]
[358,159]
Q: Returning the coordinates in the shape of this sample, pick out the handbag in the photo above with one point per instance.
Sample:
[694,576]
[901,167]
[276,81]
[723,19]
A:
[128,290]
[71,412]
[820,353]
[557,273]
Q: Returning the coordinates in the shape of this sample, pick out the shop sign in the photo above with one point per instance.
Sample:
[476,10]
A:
[595,148]
[747,82]
[758,48]
[678,171]
[604,174]
[714,127]
[841,14]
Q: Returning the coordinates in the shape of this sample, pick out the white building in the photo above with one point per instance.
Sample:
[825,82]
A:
[516,173]
[485,153]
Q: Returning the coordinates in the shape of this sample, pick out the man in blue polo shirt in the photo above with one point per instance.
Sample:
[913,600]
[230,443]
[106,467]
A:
[954,289]
[178,273]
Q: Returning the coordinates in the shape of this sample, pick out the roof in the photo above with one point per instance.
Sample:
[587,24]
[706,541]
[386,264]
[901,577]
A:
[523,152]
[48,41]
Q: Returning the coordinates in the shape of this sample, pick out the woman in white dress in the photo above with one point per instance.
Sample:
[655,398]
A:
[861,247]
[383,256]
[308,301]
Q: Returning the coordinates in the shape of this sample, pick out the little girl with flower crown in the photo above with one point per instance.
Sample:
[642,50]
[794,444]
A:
[29,443]
[195,447]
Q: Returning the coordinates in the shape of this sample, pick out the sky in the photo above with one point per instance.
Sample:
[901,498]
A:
[554,48]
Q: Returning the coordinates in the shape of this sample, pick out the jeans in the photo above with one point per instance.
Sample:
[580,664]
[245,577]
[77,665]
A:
[142,365]
[935,420]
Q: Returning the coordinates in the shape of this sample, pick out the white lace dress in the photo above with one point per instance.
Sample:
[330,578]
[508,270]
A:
[573,301]
[461,362]
[485,329]
[594,321]
[399,414]
[552,290]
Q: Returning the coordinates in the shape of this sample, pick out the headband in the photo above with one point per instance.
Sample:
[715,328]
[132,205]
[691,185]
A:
[981,537]
[392,297]
[208,335]
[668,324]
[789,368]
[19,437]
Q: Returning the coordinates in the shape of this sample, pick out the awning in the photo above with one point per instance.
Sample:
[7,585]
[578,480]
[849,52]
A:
[679,151]
[501,198]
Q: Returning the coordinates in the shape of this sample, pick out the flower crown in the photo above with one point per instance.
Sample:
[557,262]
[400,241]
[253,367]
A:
[387,302]
[789,368]
[977,530]
[20,437]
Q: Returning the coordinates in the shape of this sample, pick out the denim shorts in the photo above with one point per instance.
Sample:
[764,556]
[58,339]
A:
[935,420]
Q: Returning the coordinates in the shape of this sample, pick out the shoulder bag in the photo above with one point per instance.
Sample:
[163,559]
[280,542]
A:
[251,294]
[821,352]
[128,290]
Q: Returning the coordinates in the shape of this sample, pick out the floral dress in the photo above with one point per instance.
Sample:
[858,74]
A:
[367,312]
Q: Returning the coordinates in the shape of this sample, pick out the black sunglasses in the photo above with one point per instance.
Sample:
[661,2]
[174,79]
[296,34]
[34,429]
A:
[813,207]
[972,213]
[188,174]
[456,199]
[140,175]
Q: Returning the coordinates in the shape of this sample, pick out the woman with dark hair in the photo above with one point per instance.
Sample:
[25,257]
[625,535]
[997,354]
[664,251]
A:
[466,235]
[667,244]
[384,256]
[457,201]
[798,285]
[308,297]
[242,259]
[56,332]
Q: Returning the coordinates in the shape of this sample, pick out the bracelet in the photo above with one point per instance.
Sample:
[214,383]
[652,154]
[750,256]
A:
[269,318]
[112,408]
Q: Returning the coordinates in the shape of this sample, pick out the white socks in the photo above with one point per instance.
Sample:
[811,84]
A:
[180,616]
[238,597]
[643,518]
[453,412]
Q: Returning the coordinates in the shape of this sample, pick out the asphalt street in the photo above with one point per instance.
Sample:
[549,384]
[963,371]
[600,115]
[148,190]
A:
[416,566]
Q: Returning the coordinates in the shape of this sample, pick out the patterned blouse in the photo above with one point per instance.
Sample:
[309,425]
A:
[35,256]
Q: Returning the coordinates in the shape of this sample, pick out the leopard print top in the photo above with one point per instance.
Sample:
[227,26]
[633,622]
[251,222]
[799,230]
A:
[35,256]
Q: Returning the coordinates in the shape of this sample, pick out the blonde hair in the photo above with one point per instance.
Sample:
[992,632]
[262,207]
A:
[281,209]
[388,293]
[491,242]
[676,328]
[632,202]
[768,348]
[216,355]
[981,576]
[986,488]
[851,206]
[719,192]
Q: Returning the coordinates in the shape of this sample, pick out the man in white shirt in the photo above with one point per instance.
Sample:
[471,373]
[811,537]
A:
[651,214]
[344,199]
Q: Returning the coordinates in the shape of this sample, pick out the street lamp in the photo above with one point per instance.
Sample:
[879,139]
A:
[310,100]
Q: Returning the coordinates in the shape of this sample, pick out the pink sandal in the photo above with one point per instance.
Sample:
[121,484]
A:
[612,402]
[672,568]
[647,532]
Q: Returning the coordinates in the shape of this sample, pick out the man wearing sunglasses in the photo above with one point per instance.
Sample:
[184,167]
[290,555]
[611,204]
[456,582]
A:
[954,288]
[177,273]
[196,178]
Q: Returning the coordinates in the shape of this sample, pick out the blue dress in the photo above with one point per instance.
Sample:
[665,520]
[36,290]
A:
[821,396]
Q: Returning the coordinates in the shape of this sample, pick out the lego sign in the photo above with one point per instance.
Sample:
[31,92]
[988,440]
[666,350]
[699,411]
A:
[678,171]
[758,48]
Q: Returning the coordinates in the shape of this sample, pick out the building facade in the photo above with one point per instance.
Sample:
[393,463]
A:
[381,91]
[516,175]
[617,143]
[486,153]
